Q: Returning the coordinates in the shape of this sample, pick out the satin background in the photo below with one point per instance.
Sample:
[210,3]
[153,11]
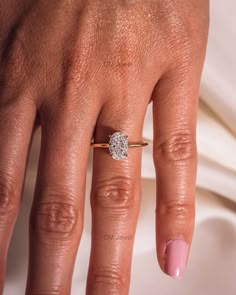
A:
[211,267]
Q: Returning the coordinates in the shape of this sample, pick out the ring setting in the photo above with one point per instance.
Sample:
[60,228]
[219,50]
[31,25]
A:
[118,145]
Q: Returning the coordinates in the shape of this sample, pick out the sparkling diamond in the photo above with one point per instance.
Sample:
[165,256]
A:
[118,145]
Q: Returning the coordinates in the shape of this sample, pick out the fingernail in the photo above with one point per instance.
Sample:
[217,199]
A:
[176,257]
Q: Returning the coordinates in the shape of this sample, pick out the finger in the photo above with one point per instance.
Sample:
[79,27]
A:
[115,202]
[16,121]
[175,156]
[57,214]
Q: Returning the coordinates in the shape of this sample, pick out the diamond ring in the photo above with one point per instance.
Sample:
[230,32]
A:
[118,145]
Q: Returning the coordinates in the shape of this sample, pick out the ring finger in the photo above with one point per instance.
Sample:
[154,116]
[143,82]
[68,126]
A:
[115,201]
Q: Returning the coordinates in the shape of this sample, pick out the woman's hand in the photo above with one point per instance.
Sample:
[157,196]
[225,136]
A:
[84,69]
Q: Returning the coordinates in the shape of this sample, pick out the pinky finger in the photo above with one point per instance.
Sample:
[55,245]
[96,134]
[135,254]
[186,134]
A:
[175,158]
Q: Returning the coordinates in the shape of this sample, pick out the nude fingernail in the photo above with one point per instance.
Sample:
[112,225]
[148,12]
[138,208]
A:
[176,258]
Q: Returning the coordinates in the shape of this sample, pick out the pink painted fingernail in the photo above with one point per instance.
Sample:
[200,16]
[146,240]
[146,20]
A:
[176,258]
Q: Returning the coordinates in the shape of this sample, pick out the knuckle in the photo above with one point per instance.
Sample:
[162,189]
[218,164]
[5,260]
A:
[180,210]
[196,29]
[15,58]
[188,36]
[13,73]
[115,193]
[110,277]
[55,219]
[176,147]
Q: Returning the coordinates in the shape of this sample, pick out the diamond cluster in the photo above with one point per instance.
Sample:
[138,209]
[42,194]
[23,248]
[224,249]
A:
[118,145]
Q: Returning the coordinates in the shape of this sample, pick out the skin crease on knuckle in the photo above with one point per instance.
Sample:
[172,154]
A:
[56,217]
[178,217]
[56,220]
[178,146]
[108,275]
[115,193]
[177,210]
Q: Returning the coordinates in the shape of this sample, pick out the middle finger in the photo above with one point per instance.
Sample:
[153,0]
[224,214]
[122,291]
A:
[57,212]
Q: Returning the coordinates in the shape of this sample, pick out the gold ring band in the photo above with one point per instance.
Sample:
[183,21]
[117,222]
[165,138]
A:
[118,145]
[130,144]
